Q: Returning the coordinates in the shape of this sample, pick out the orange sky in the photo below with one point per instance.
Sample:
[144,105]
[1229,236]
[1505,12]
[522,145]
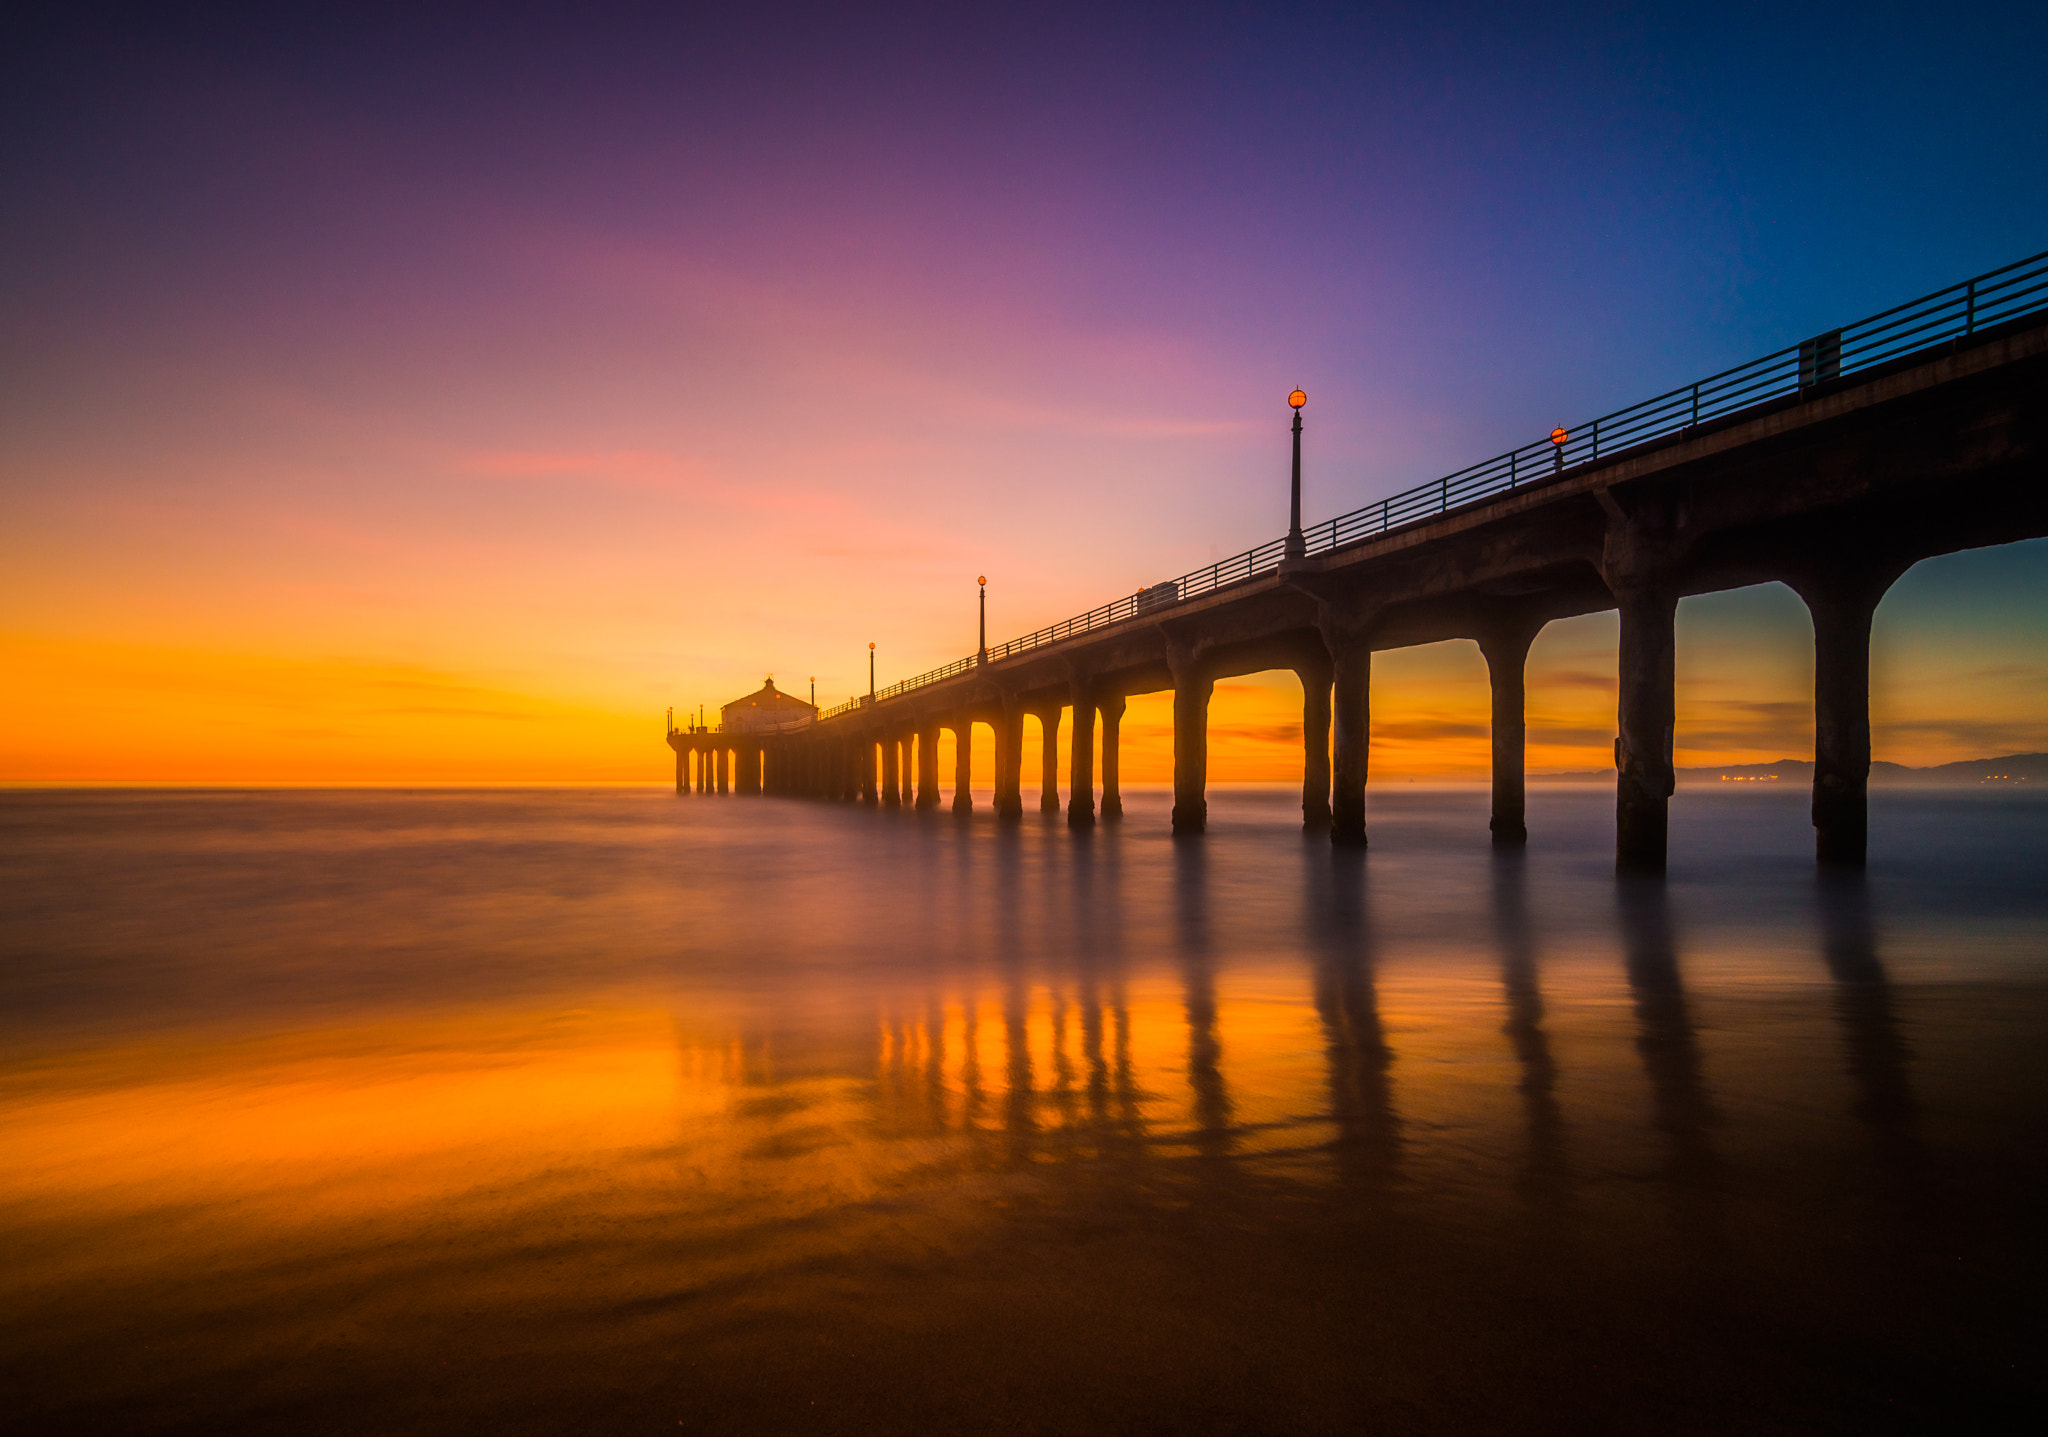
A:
[94,707]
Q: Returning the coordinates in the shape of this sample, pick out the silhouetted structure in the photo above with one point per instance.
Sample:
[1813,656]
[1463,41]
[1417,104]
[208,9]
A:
[732,751]
[1832,466]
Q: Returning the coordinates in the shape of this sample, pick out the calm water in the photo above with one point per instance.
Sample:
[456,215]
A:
[381,1112]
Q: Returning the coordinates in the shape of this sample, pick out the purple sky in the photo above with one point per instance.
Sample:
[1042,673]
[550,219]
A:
[608,360]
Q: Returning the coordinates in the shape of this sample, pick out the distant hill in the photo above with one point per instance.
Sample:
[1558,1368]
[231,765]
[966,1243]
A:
[2015,770]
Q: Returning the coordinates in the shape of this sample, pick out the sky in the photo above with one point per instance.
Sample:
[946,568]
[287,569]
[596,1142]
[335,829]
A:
[429,394]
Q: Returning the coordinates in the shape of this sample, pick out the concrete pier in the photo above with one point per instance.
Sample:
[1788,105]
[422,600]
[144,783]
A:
[1315,746]
[1351,688]
[1049,761]
[1191,691]
[1081,781]
[1112,711]
[1834,488]
[1842,599]
[1505,646]
[963,764]
[1645,778]
[1009,728]
[928,767]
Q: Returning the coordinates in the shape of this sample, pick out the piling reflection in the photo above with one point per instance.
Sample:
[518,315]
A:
[943,1068]
[1875,1053]
[1210,1113]
[1367,1146]
[1668,1044]
[1545,1177]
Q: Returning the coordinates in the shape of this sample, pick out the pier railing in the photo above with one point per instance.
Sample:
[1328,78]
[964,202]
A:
[1993,298]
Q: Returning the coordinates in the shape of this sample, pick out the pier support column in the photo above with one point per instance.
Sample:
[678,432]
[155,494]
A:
[723,764]
[1842,601]
[682,769]
[1191,690]
[892,794]
[928,767]
[864,769]
[1049,761]
[703,760]
[1112,710]
[1315,747]
[1081,776]
[1505,646]
[1010,761]
[963,764]
[1644,778]
[1351,685]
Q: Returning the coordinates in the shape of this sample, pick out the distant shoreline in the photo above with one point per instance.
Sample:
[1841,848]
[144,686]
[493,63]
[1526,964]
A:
[2017,770]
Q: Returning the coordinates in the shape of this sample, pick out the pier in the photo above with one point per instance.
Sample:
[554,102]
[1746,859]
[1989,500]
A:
[1831,466]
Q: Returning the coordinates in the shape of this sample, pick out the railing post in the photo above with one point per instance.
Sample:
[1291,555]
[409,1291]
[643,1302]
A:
[1512,457]
[1695,405]
[1970,310]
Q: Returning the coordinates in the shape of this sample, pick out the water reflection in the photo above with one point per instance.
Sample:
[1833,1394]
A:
[899,1081]
[1668,1044]
[1545,1176]
[1210,1113]
[1875,1053]
[1360,1062]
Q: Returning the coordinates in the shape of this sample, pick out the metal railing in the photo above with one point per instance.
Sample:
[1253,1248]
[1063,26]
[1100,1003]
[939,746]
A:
[2017,289]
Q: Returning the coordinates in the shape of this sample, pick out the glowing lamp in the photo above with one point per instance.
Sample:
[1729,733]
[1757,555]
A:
[981,579]
[1298,398]
[1558,436]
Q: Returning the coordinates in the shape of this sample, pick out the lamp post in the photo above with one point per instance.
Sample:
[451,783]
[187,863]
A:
[1557,443]
[981,652]
[814,690]
[1297,547]
[871,673]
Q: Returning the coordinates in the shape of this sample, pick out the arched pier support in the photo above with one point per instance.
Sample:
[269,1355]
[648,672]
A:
[1192,687]
[1049,760]
[1351,740]
[1842,599]
[963,764]
[1112,711]
[1081,776]
[1009,727]
[892,793]
[1315,746]
[928,767]
[1646,716]
[1505,645]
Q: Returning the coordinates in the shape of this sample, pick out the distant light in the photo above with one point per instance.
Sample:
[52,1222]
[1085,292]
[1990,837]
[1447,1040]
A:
[981,579]
[871,646]
[1298,398]
[1558,436]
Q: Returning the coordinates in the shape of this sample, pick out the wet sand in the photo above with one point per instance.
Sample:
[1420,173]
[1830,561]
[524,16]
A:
[617,1112]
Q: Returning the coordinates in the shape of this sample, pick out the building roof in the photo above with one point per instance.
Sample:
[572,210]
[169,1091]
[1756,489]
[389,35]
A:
[770,697]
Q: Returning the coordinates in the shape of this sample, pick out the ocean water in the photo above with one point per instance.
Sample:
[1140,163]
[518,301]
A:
[618,1111]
